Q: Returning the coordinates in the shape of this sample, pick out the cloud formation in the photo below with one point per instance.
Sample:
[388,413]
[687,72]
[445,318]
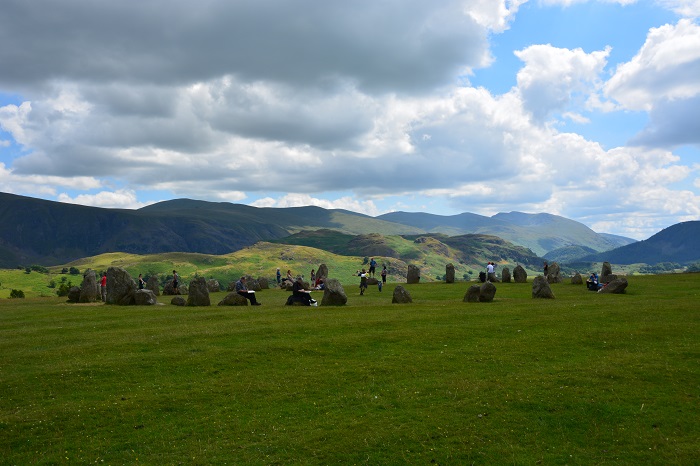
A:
[364,106]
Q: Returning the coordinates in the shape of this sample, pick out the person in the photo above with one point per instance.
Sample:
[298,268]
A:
[242,290]
[320,285]
[103,286]
[300,293]
[313,276]
[384,273]
[142,284]
[289,276]
[279,276]
[372,266]
[176,282]
[592,283]
[363,281]
[490,272]
[546,269]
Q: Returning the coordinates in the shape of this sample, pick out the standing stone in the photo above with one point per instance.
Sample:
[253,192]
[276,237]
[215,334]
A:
[401,295]
[74,294]
[169,289]
[606,275]
[88,289]
[616,286]
[251,283]
[233,299]
[541,289]
[577,279]
[120,287]
[145,297]
[264,283]
[213,286]
[178,301]
[554,273]
[505,275]
[333,293]
[413,275]
[472,294]
[449,273]
[322,271]
[487,291]
[153,285]
[198,294]
[519,274]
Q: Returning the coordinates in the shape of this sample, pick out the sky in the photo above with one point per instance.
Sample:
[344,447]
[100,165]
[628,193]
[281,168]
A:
[588,109]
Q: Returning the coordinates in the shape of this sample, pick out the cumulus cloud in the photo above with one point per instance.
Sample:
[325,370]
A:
[552,77]
[687,8]
[300,200]
[120,199]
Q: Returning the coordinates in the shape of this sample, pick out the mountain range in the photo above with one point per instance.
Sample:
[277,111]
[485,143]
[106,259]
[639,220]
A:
[36,231]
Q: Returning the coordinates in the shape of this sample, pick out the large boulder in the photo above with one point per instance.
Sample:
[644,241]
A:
[606,270]
[74,294]
[577,279]
[121,288]
[322,271]
[372,281]
[505,275]
[333,293]
[252,284]
[264,283]
[169,289]
[145,298]
[233,299]
[198,294]
[153,285]
[213,285]
[89,289]
[178,301]
[401,295]
[487,291]
[449,273]
[541,288]
[472,294]
[413,275]
[616,286]
[519,274]
[554,273]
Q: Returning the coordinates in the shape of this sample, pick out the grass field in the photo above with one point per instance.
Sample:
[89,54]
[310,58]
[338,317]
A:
[582,379]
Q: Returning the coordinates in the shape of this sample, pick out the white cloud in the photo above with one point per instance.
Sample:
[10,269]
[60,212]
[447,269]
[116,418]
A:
[300,200]
[686,8]
[665,69]
[120,199]
[553,78]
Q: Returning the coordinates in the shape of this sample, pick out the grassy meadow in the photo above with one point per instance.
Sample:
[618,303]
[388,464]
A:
[585,378]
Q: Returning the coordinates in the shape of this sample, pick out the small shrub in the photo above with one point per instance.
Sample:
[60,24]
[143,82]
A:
[52,284]
[63,289]
[74,271]
[16,294]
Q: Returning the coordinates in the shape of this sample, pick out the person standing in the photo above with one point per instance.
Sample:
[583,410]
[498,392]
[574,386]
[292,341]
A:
[313,276]
[242,289]
[363,281]
[546,269]
[176,283]
[142,284]
[384,273]
[103,287]
[372,266]
[490,274]
[279,276]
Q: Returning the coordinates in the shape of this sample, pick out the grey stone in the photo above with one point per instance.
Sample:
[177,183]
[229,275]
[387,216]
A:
[145,298]
[213,286]
[233,299]
[505,275]
[616,286]
[487,291]
[554,273]
[178,301]
[89,288]
[333,293]
[541,288]
[153,285]
[322,271]
[577,279]
[74,294]
[120,287]
[401,295]
[413,275]
[198,294]
[519,274]
[449,273]
[264,283]
[472,294]
[606,270]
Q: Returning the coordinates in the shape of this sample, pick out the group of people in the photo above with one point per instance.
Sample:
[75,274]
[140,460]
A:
[371,273]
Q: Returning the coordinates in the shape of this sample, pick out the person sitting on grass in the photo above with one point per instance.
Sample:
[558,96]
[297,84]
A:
[300,294]
[242,290]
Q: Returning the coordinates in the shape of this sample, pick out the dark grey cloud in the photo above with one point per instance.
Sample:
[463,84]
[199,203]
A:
[672,123]
[380,46]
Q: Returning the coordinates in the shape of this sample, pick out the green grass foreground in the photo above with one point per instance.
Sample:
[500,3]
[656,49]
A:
[582,379]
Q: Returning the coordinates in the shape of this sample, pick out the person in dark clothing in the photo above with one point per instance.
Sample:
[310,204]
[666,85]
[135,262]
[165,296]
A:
[242,290]
[142,284]
[300,293]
